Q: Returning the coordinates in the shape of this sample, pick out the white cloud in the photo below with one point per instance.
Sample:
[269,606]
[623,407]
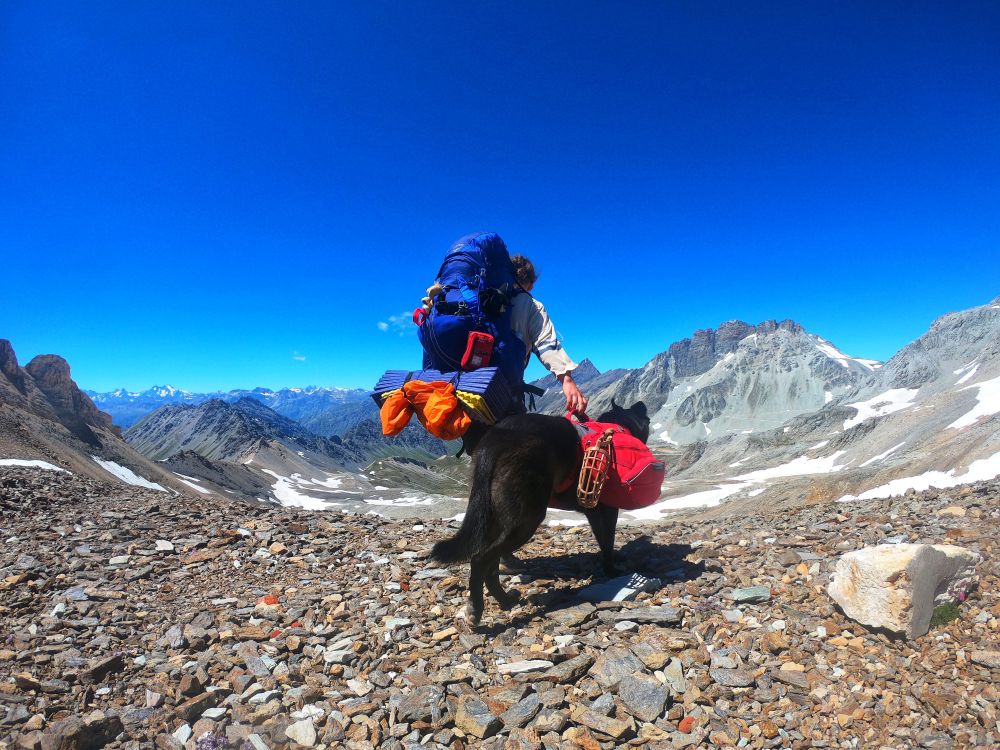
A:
[298,357]
[401,323]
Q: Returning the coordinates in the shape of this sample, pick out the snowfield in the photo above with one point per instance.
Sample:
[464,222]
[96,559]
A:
[983,469]
[893,400]
[127,475]
[988,403]
[800,466]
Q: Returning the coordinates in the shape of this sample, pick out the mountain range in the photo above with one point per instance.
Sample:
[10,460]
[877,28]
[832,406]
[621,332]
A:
[747,413]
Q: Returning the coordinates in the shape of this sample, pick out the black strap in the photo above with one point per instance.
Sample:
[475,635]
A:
[534,390]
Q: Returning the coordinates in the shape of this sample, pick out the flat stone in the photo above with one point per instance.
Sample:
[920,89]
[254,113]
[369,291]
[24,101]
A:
[753,594]
[474,717]
[989,659]
[421,704]
[644,697]
[897,586]
[650,615]
[569,671]
[192,709]
[530,665]
[674,674]
[789,677]
[162,545]
[101,668]
[613,665]
[572,617]
[605,725]
[733,677]
[522,712]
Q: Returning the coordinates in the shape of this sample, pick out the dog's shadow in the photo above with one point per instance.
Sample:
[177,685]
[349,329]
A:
[641,555]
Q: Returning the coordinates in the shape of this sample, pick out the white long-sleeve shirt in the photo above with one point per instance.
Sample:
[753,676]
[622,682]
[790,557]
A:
[533,326]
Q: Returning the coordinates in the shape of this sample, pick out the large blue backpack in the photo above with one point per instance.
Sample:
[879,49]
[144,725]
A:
[478,284]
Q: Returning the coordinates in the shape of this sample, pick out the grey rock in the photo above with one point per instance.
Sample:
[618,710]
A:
[473,716]
[651,615]
[614,664]
[522,712]
[420,704]
[732,677]
[644,697]
[752,594]
[674,672]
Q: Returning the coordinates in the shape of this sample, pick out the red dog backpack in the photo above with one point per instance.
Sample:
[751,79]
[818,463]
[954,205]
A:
[636,476]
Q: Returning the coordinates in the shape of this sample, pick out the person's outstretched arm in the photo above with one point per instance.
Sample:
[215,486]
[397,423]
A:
[549,351]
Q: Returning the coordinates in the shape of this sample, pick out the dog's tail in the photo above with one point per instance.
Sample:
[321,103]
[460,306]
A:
[471,537]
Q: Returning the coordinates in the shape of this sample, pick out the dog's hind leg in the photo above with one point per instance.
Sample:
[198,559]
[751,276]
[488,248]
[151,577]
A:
[506,599]
[477,576]
[604,522]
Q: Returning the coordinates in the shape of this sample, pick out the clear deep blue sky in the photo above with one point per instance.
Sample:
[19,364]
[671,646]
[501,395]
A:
[221,195]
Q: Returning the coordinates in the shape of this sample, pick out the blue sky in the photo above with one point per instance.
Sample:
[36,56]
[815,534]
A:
[223,195]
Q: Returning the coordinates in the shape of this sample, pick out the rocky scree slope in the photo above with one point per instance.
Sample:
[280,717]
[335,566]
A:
[45,416]
[135,619]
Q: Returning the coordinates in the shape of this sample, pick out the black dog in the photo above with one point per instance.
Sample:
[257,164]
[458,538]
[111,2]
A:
[516,468]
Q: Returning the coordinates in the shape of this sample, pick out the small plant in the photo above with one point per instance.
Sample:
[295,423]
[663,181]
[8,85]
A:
[944,614]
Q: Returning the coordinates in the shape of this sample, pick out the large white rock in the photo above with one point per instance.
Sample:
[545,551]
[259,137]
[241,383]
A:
[897,586]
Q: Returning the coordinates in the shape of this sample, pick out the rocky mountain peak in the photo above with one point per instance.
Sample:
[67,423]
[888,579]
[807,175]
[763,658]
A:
[72,407]
[8,365]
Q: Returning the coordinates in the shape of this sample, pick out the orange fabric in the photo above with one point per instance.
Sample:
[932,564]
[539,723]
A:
[435,404]
[395,413]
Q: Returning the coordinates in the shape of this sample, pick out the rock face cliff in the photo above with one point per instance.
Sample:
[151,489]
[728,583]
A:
[738,378]
[44,416]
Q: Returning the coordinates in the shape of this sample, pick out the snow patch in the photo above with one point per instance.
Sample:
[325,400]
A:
[978,471]
[820,444]
[835,354]
[705,499]
[31,464]
[754,493]
[827,397]
[665,438]
[800,466]
[401,502]
[126,475]
[893,400]
[987,404]
[192,485]
[968,373]
[286,491]
[880,456]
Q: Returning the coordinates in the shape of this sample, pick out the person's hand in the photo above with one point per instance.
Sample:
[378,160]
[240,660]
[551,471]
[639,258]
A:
[575,400]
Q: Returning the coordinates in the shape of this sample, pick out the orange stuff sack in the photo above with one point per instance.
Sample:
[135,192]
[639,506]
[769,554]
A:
[436,406]
[395,413]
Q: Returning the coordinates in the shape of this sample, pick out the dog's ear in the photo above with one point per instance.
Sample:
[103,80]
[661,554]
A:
[639,408]
[614,406]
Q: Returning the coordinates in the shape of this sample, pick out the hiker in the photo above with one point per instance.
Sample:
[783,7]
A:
[480,313]
[533,326]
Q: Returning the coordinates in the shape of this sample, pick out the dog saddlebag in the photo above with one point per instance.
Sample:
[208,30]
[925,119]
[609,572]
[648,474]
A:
[636,476]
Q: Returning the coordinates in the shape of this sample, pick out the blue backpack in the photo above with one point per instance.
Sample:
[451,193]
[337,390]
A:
[478,284]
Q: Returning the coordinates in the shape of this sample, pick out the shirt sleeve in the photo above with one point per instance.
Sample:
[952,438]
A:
[544,342]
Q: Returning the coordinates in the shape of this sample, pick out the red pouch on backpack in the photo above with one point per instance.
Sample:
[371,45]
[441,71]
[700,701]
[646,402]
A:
[478,350]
